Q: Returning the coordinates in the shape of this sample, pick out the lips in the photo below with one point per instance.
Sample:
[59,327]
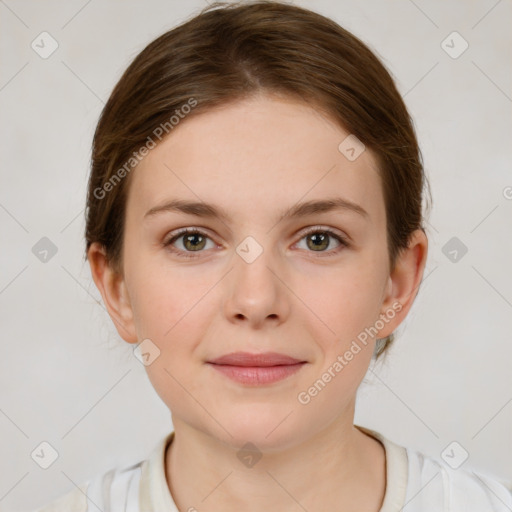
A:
[261,360]
[256,369]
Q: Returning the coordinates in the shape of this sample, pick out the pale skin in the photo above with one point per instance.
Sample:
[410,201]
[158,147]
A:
[257,159]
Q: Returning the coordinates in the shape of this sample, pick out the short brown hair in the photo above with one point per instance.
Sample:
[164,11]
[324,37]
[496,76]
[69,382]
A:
[230,51]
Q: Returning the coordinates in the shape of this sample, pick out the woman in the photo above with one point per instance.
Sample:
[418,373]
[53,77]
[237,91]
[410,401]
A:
[255,228]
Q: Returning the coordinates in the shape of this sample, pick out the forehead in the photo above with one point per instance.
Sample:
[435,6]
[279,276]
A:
[263,153]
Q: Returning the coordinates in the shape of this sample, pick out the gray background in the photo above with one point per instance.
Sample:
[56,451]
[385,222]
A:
[67,378]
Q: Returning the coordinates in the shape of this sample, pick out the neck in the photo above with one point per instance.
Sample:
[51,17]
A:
[338,468]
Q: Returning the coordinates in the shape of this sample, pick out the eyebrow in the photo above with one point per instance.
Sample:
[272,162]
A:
[201,209]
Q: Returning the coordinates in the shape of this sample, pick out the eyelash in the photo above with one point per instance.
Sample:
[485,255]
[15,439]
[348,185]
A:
[190,254]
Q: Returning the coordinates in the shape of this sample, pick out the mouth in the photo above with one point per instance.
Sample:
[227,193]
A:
[256,369]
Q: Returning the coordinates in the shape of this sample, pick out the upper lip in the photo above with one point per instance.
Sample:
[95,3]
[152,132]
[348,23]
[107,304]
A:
[262,359]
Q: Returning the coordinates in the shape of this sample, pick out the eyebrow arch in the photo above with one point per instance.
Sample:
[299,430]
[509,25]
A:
[201,209]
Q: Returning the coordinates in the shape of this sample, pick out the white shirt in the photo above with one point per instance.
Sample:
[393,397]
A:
[414,483]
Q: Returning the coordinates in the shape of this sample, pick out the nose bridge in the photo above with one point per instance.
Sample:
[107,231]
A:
[255,291]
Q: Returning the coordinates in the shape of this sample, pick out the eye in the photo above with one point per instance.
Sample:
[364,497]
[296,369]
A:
[319,239]
[192,240]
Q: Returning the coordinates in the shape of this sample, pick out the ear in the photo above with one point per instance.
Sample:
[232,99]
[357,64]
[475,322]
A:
[112,287]
[404,281]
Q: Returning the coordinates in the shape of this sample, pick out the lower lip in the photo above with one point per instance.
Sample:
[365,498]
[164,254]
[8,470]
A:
[257,375]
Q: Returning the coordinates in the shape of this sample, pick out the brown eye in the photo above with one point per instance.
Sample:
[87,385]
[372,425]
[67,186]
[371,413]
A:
[194,242]
[188,241]
[318,241]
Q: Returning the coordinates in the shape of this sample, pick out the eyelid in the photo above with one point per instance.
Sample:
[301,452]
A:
[326,229]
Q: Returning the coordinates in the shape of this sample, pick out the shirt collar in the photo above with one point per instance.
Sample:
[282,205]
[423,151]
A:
[397,470]
[155,495]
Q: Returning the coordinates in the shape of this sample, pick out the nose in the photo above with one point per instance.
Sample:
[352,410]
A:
[256,293]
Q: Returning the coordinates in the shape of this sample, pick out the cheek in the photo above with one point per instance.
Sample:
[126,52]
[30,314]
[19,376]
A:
[166,299]
[343,301]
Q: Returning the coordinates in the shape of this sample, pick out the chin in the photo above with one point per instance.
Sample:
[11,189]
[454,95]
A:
[269,428]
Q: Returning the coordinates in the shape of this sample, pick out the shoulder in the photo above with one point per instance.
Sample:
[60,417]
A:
[112,490]
[417,482]
[433,483]
[121,489]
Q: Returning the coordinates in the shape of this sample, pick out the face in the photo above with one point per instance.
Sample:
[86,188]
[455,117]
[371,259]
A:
[268,265]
